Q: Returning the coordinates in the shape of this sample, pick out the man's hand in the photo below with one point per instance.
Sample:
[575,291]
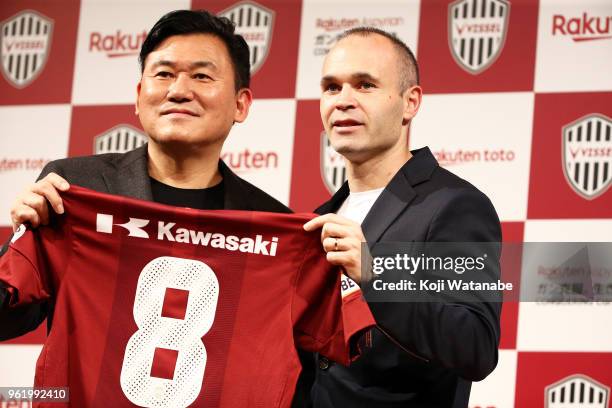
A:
[342,239]
[31,205]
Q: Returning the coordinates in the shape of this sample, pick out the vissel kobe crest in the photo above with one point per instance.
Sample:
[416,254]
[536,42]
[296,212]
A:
[119,139]
[587,155]
[255,23]
[477,32]
[25,42]
[577,391]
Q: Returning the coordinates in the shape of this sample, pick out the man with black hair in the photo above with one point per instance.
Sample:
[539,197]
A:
[423,354]
[194,87]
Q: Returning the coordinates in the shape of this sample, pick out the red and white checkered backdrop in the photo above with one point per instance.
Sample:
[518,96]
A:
[518,100]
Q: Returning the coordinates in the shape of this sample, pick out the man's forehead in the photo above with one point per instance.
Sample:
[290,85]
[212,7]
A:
[356,55]
[363,41]
[363,47]
[193,49]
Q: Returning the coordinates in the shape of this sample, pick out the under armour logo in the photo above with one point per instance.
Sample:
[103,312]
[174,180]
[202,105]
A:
[104,223]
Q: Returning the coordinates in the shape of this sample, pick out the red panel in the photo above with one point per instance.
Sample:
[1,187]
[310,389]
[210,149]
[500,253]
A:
[90,121]
[512,71]
[54,83]
[308,190]
[536,371]
[512,233]
[5,232]
[550,194]
[276,77]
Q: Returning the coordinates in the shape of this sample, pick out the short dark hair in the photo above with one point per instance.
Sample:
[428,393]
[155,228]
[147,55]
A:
[409,68]
[183,22]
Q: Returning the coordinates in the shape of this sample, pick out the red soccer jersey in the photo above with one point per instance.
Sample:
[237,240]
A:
[161,306]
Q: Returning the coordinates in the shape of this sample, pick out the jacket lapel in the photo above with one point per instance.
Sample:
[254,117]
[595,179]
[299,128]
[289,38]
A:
[335,202]
[131,178]
[394,199]
[398,194]
[389,205]
[236,197]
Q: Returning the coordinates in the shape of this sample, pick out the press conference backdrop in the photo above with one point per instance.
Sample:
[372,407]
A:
[518,100]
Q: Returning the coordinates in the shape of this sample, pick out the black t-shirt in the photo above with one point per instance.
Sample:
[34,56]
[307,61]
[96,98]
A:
[211,198]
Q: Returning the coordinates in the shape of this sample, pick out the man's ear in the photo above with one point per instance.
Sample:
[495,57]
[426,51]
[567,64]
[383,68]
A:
[412,102]
[137,98]
[244,98]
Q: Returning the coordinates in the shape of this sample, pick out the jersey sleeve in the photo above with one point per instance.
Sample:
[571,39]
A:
[25,267]
[325,320]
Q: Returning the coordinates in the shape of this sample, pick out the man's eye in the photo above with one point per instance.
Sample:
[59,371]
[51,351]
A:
[200,75]
[367,85]
[163,74]
[331,88]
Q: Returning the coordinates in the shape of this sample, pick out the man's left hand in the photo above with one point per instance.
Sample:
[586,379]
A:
[342,239]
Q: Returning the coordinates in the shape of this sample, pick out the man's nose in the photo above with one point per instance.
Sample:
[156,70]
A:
[180,88]
[346,98]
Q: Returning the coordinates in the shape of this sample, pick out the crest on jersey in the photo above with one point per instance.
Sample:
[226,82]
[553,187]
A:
[119,139]
[587,155]
[255,23]
[25,41]
[477,32]
[333,171]
[577,391]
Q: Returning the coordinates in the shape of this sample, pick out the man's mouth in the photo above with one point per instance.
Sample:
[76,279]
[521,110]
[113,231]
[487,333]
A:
[345,123]
[179,112]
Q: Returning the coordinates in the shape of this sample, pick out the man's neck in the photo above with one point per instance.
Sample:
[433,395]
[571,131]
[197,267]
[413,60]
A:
[376,172]
[184,166]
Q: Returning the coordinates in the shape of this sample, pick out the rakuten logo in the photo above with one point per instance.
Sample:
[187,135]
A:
[584,28]
[118,44]
[448,157]
[9,164]
[246,160]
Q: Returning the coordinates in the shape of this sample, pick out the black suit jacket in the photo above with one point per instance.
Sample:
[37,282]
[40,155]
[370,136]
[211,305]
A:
[127,175]
[423,354]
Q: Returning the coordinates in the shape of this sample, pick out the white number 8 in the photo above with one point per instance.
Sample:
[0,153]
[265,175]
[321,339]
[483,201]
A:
[182,335]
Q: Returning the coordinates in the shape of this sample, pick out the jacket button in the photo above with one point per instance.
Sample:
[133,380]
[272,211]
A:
[323,363]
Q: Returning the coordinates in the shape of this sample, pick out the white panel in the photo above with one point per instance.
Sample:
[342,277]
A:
[323,21]
[260,150]
[591,230]
[31,136]
[484,138]
[109,40]
[18,364]
[574,51]
[566,326]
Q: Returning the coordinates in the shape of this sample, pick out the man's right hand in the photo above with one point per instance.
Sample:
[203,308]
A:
[31,205]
